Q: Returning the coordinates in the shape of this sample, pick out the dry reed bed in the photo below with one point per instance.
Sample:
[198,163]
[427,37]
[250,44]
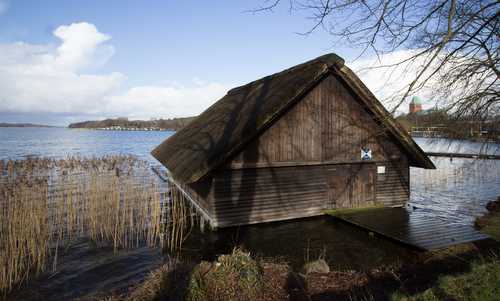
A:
[46,203]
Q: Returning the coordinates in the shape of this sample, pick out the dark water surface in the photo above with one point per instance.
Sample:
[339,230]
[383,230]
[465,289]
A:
[86,272]
[458,189]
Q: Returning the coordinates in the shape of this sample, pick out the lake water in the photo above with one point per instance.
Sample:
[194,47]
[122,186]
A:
[18,143]
[458,189]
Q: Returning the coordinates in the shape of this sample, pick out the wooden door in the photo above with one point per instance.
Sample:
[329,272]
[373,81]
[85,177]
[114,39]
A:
[351,185]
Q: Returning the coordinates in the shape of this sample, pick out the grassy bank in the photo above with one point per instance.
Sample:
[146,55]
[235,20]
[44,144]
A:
[466,272]
[492,226]
[490,222]
[481,283]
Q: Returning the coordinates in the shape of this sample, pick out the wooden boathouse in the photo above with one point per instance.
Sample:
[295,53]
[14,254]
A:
[292,145]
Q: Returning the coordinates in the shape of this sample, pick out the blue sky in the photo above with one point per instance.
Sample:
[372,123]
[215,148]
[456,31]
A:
[177,40]
[141,59]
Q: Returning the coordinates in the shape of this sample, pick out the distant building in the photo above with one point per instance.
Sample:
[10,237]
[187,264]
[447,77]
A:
[415,105]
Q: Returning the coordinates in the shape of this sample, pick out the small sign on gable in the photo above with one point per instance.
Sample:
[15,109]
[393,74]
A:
[366,154]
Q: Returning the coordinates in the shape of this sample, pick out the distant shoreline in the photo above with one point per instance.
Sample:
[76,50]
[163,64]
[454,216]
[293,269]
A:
[122,129]
[123,124]
[25,125]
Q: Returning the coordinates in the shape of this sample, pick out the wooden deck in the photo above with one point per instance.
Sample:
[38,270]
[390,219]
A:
[416,228]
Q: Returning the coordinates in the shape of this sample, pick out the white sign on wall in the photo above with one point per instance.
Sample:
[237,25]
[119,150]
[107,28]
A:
[366,154]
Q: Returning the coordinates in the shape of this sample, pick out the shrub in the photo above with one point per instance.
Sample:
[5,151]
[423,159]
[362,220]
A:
[232,277]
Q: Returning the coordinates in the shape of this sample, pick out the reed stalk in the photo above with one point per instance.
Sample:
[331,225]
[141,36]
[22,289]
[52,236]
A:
[47,203]
[182,217]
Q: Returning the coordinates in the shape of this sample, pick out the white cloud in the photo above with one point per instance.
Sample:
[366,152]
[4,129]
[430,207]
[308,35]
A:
[46,79]
[82,45]
[4,6]
[160,101]
[56,79]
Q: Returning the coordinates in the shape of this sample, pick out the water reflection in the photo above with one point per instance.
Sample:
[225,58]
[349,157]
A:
[84,272]
[457,189]
[343,246]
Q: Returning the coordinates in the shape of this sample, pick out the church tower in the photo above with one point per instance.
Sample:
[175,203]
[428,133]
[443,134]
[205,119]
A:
[415,105]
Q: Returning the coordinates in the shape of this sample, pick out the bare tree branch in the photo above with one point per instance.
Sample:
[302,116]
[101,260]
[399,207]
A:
[455,44]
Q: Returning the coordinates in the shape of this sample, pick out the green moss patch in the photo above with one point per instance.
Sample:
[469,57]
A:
[490,224]
[481,283]
[344,211]
[232,277]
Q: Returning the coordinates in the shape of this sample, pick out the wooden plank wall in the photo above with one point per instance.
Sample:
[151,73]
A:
[351,185]
[201,192]
[287,172]
[393,187]
[254,195]
[328,126]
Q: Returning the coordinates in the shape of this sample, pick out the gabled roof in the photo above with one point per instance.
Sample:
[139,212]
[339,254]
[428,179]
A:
[244,112]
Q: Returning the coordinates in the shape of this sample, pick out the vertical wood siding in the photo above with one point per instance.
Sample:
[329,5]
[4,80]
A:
[351,185]
[306,162]
[329,125]
[254,195]
[393,187]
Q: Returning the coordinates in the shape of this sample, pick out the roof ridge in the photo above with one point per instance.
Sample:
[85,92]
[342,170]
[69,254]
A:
[330,60]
